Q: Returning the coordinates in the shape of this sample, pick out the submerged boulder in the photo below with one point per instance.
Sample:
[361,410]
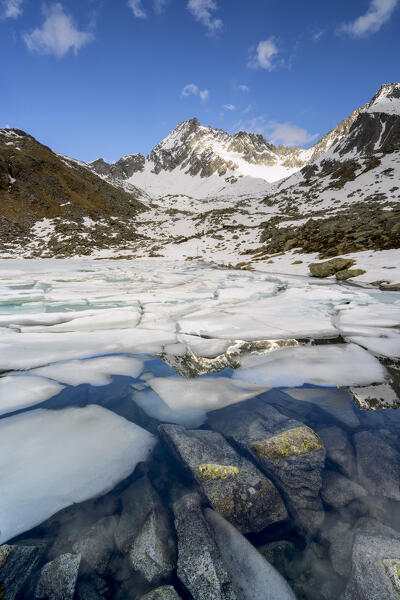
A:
[375,570]
[339,449]
[144,532]
[378,465]
[58,578]
[17,566]
[200,565]
[286,450]
[233,485]
[338,491]
[165,592]
[252,576]
[96,544]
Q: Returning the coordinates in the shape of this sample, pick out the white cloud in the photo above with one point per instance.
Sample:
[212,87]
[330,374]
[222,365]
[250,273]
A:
[12,9]
[229,107]
[191,89]
[58,34]
[265,55]
[378,13]
[202,11]
[137,9]
[243,88]
[289,134]
[317,35]
[278,133]
[248,108]
[159,6]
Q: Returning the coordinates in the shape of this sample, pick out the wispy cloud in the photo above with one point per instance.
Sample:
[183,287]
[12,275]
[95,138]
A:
[58,34]
[191,89]
[378,13]
[317,35]
[12,9]
[248,108]
[229,107]
[202,10]
[287,133]
[265,55]
[159,6]
[137,8]
[243,88]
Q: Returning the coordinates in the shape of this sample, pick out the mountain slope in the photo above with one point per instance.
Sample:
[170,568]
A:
[345,197]
[203,162]
[57,196]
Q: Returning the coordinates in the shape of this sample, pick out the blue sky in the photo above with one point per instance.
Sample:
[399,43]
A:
[107,78]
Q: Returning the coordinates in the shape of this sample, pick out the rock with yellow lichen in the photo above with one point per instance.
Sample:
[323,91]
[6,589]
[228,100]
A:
[292,442]
[232,484]
[214,472]
[286,450]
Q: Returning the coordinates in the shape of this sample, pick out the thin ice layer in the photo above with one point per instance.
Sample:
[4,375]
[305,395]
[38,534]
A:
[51,459]
[30,350]
[96,371]
[326,365]
[203,393]
[21,391]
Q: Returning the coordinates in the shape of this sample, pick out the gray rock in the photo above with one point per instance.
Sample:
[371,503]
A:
[330,267]
[291,454]
[144,532]
[339,450]
[338,491]
[58,578]
[153,550]
[375,397]
[166,592]
[340,540]
[17,565]
[349,273]
[87,591]
[232,484]
[374,572]
[97,544]
[200,566]
[368,526]
[378,465]
[279,554]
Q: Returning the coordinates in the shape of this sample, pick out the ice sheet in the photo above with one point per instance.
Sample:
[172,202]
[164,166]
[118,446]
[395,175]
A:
[203,393]
[51,459]
[96,371]
[325,365]
[22,391]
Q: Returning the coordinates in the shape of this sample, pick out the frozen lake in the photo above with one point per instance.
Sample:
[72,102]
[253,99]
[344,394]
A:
[95,355]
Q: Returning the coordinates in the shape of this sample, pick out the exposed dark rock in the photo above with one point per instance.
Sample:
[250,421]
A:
[58,578]
[232,484]
[330,267]
[287,451]
[375,397]
[349,273]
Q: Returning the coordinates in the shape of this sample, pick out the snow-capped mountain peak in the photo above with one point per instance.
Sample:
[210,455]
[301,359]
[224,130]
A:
[386,100]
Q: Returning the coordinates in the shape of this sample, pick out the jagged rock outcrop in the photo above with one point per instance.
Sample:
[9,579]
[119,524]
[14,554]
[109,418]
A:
[233,485]
[287,451]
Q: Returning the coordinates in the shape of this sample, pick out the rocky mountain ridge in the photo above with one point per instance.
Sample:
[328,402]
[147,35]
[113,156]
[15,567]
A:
[345,199]
[195,150]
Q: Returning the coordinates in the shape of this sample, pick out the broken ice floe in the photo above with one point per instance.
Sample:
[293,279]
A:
[96,371]
[22,391]
[51,459]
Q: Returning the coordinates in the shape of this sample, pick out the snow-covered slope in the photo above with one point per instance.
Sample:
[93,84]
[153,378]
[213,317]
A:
[203,162]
